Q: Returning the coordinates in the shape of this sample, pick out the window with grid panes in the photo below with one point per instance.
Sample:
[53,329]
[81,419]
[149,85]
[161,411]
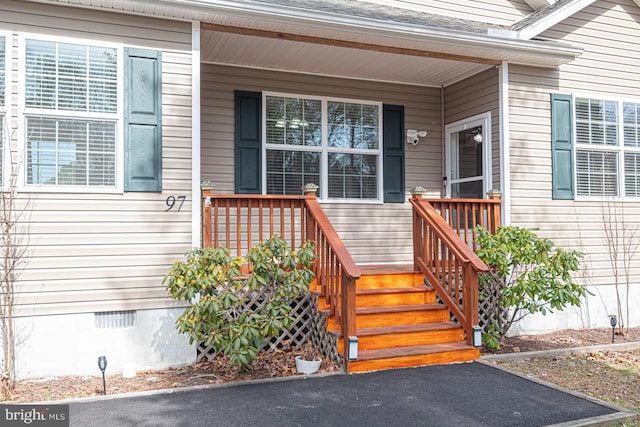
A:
[71,114]
[631,148]
[607,148]
[335,144]
[3,79]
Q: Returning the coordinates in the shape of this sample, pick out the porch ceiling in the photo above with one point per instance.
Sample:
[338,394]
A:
[312,58]
[351,38]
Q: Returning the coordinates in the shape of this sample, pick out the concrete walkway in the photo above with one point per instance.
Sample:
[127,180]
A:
[471,394]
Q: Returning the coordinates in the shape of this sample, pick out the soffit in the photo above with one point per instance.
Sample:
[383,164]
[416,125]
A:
[442,49]
[259,52]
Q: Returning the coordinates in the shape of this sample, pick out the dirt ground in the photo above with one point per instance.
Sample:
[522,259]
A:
[565,339]
[612,376]
[281,363]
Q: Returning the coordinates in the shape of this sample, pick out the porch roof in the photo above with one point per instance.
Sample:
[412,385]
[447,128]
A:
[353,38]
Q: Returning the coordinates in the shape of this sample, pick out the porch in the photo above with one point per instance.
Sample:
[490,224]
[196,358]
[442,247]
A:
[377,316]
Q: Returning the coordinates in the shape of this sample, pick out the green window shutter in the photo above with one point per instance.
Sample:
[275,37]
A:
[393,153]
[562,147]
[143,120]
[248,142]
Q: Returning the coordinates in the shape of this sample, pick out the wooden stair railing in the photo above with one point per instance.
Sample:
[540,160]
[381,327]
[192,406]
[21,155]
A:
[239,221]
[448,263]
[463,215]
[336,271]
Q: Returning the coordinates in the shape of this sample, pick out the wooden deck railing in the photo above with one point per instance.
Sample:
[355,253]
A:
[448,263]
[463,215]
[240,221]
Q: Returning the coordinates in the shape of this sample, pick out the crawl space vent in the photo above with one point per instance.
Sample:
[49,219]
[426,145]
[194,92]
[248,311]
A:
[115,319]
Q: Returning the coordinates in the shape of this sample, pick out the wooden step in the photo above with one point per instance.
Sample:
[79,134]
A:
[376,297]
[410,314]
[390,280]
[406,279]
[404,357]
[405,335]
[313,286]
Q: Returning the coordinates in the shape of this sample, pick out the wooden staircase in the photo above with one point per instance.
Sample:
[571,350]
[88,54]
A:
[394,315]
[399,323]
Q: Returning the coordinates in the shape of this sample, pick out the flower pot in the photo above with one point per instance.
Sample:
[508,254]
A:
[307,366]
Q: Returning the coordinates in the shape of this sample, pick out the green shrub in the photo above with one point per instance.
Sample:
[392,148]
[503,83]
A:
[211,280]
[528,275]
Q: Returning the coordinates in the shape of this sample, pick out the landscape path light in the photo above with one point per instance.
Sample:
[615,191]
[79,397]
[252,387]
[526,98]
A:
[102,364]
[614,321]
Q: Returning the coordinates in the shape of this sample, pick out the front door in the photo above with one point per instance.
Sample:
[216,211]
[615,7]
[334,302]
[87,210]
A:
[468,153]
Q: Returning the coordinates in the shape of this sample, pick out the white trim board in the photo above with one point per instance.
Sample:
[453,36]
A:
[537,27]
[6,110]
[195,135]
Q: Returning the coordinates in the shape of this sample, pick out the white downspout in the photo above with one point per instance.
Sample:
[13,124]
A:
[505,155]
[196,227]
[445,141]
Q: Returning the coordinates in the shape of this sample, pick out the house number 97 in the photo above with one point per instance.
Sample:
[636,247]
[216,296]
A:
[176,203]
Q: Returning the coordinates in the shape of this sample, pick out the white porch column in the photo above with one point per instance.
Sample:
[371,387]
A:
[505,153]
[196,227]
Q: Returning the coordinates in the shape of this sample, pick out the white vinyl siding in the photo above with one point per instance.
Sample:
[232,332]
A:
[607,70]
[71,114]
[96,250]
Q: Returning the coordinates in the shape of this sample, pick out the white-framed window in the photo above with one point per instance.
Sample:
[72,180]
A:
[335,143]
[71,111]
[607,135]
[4,99]
[468,157]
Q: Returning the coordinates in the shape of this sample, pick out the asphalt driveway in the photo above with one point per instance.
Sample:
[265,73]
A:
[470,394]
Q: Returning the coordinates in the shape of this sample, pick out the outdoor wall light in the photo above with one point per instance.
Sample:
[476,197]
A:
[413,136]
[353,348]
[477,137]
[477,336]
[102,364]
[613,319]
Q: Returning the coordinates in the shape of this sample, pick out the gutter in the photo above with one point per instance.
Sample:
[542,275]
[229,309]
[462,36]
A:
[371,27]
[497,40]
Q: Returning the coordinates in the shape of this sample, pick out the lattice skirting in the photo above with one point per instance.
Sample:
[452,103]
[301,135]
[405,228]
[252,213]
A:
[322,340]
[308,326]
[490,311]
[485,312]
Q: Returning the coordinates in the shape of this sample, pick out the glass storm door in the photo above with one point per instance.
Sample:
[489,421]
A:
[468,152]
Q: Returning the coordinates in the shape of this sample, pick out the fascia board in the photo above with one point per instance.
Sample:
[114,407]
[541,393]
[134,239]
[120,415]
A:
[249,9]
[539,4]
[564,12]
[371,27]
